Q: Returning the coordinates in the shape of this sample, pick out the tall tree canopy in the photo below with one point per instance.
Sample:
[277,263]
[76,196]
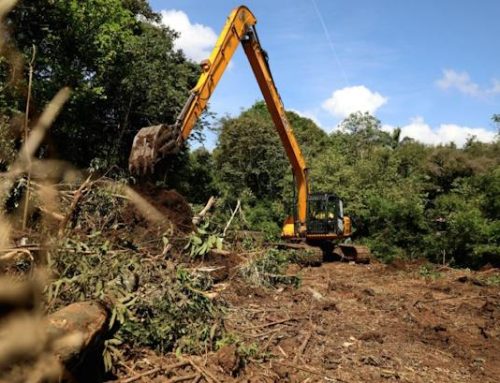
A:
[249,154]
[123,69]
[413,200]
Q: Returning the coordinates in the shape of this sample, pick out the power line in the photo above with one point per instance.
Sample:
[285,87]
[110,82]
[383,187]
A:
[330,41]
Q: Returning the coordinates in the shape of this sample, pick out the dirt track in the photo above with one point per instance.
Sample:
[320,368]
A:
[375,323]
[360,323]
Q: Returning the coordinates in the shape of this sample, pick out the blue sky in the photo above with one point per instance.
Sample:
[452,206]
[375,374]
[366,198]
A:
[430,67]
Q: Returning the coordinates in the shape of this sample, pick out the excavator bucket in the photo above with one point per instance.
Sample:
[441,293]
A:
[152,143]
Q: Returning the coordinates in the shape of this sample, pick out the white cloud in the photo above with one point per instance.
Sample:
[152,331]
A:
[462,82]
[458,80]
[353,99]
[196,40]
[459,134]
[419,130]
[496,86]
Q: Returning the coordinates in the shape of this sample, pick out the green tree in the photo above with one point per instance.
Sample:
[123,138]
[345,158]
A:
[359,133]
[199,184]
[468,237]
[249,156]
[251,164]
[367,130]
[122,68]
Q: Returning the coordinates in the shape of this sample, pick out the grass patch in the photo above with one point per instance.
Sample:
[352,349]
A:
[428,271]
[493,280]
[246,350]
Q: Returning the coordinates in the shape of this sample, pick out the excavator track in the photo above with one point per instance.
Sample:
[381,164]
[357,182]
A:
[353,253]
[310,255]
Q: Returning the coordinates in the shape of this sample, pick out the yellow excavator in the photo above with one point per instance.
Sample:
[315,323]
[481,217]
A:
[318,221]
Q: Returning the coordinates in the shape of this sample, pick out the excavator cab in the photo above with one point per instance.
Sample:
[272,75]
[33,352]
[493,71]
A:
[325,214]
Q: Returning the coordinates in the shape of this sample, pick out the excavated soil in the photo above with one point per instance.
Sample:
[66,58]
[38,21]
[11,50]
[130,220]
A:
[350,323]
[170,203]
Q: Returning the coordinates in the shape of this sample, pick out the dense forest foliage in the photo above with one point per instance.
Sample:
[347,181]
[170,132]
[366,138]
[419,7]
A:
[407,199]
[117,59]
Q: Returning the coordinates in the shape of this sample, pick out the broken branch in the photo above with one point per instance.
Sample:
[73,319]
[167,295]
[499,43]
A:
[197,218]
[238,205]
[76,198]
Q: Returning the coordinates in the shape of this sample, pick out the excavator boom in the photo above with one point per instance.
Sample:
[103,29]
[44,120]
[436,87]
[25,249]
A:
[151,144]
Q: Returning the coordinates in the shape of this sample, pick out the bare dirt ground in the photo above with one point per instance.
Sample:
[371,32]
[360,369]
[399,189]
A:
[349,323]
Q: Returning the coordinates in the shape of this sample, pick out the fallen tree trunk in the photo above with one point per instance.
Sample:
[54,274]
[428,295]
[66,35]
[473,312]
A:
[65,346]
[82,359]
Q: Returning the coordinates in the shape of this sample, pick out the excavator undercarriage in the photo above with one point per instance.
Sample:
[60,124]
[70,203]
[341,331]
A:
[315,253]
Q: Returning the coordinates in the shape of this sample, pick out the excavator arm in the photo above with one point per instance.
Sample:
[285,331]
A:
[154,143]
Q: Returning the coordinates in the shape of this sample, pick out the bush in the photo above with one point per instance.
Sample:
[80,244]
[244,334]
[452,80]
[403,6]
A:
[268,269]
[467,237]
[157,306]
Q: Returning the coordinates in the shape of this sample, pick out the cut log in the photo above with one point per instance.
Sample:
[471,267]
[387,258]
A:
[82,359]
